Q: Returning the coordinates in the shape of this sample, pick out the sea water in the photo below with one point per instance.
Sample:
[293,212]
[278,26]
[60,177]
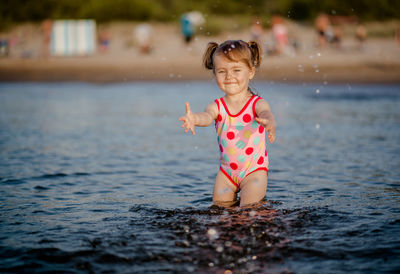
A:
[102,178]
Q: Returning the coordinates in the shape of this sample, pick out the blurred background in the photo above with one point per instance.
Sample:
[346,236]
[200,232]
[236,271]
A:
[165,39]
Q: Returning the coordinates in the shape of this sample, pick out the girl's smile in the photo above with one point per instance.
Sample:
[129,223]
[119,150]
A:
[232,77]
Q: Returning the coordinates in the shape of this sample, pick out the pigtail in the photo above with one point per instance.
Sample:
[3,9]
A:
[256,53]
[208,55]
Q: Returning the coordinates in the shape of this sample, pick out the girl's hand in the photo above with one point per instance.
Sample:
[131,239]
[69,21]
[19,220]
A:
[269,125]
[188,120]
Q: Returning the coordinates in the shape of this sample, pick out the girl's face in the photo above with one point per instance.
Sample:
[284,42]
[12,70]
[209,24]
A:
[232,77]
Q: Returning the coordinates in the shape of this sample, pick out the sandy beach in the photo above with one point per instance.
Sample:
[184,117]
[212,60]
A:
[172,60]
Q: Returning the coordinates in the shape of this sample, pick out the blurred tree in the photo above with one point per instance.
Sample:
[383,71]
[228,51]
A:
[167,10]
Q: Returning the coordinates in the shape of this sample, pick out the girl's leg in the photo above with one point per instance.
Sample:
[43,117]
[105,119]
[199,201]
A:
[253,188]
[225,193]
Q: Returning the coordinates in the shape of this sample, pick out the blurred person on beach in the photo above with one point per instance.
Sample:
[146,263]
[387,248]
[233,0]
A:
[327,33]
[143,35]
[47,27]
[104,40]
[361,36]
[241,119]
[189,21]
[187,28]
[256,30]
[4,47]
[280,35]
[322,26]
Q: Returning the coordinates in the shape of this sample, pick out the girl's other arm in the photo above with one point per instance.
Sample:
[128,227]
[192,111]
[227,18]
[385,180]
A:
[266,119]
[200,119]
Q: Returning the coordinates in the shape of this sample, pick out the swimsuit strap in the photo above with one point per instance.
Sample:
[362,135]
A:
[250,101]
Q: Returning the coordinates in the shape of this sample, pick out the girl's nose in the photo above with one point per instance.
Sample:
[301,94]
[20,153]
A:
[228,75]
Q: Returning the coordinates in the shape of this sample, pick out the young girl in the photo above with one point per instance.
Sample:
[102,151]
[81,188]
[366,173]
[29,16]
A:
[241,120]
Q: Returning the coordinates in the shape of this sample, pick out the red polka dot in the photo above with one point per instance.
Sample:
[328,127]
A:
[249,150]
[233,166]
[230,135]
[261,129]
[266,153]
[247,118]
[260,161]
[219,118]
[221,148]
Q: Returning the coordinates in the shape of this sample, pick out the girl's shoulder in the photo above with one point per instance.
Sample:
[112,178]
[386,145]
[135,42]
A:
[261,105]
[213,109]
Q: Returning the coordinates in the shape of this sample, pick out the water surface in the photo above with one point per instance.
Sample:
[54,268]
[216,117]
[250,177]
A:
[101,178]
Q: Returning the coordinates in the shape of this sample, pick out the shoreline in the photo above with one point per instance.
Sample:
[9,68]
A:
[98,71]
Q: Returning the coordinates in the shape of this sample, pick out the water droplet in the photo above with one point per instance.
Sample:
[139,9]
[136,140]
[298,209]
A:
[317,91]
[228,243]
[317,126]
[186,229]
[212,234]
[219,249]
[211,264]
[242,260]
[233,46]
[319,54]
[254,257]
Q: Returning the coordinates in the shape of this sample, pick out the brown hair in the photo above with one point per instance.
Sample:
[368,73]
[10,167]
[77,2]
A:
[235,50]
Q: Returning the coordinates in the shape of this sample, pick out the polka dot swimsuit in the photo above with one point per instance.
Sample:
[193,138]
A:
[241,141]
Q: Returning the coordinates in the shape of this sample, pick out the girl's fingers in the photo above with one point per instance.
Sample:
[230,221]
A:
[186,120]
[271,137]
[262,121]
[187,107]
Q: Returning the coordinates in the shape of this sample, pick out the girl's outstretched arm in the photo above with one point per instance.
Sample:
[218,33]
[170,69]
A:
[199,119]
[266,119]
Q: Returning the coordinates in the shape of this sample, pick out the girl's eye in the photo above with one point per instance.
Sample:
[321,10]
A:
[237,70]
[220,71]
